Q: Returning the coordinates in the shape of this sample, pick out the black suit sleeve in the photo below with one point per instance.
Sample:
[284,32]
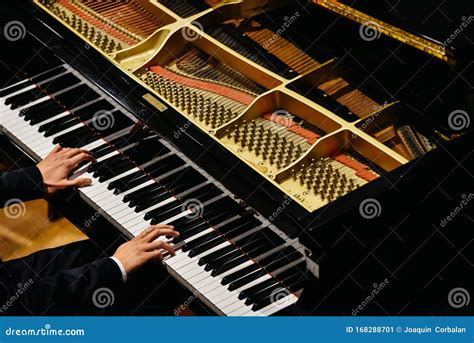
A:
[80,290]
[21,184]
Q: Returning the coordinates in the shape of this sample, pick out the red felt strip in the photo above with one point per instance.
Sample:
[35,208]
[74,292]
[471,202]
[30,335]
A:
[310,136]
[361,169]
[243,98]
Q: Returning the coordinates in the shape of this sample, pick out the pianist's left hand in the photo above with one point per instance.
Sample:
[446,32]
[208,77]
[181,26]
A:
[59,165]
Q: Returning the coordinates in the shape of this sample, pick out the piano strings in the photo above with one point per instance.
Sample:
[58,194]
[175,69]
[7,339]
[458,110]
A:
[111,26]
[206,89]
[279,138]
[264,47]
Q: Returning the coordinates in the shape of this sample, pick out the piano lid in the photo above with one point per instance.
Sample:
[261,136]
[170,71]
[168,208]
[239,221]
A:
[434,27]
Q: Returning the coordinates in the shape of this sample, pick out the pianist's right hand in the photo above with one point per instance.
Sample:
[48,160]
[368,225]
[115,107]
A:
[144,247]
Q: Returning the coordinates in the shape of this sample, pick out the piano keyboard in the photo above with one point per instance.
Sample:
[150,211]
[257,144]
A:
[234,260]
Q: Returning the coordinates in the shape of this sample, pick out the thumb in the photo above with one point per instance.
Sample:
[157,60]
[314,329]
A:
[79,182]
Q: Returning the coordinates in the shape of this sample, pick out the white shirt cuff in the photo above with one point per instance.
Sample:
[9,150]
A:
[122,269]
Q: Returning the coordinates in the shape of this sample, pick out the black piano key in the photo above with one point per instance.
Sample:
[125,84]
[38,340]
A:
[88,112]
[247,245]
[45,89]
[185,225]
[155,197]
[257,288]
[239,274]
[102,150]
[278,260]
[201,240]
[213,219]
[144,194]
[297,270]
[76,96]
[164,165]
[206,246]
[13,89]
[276,256]
[48,74]
[34,80]
[187,232]
[79,142]
[71,135]
[42,111]
[202,194]
[154,170]
[128,182]
[225,205]
[238,227]
[275,288]
[229,265]
[166,211]
[150,201]
[268,300]
[58,125]
[116,170]
[176,207]
[216,254]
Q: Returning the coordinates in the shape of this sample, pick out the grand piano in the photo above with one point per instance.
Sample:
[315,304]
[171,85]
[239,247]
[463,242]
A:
[315,155]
